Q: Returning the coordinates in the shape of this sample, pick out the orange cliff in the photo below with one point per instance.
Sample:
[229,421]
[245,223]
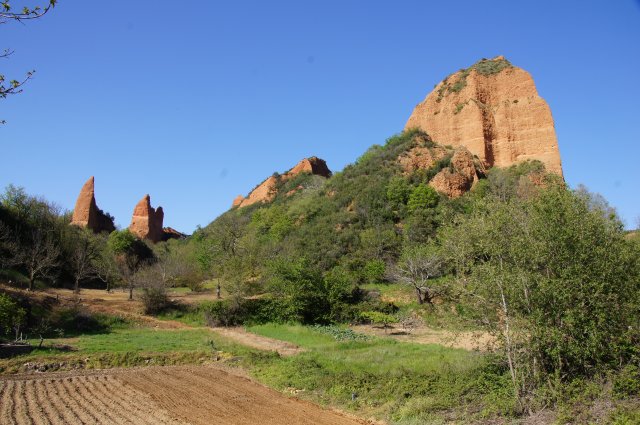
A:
[494,110]
[268,189]
[86,212]
[146,222]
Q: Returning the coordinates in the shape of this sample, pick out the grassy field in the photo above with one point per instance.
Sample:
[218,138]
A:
[400,382]
[125,346]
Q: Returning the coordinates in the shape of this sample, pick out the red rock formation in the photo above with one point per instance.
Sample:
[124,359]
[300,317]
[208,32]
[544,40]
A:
[268,189]
[146,222]
[313,165]
[494,110]
[237,201]
[171,233]
[86,212]
[459,177]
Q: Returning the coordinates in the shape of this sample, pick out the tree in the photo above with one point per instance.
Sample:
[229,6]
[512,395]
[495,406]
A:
[12,316]
[418,266]
[85,257]
[40,255]
[130,254]
[554,279]
[7,14]
[423,196]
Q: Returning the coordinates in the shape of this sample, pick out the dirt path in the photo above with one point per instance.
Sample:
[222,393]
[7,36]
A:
[197,395]
[473,341]
[260,342]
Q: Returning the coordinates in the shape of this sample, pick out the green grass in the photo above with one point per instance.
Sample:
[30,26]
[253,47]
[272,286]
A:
[126,347]
[399,382]
[189,315]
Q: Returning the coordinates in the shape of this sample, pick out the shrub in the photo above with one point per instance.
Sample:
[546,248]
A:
[627,382]
[423,196]
[154,299]
[12,316]
[374,271]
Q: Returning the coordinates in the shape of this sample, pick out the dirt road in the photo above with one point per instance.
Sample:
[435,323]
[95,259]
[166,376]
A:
[196,395]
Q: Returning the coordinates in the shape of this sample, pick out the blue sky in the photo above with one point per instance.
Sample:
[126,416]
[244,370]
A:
[196,102]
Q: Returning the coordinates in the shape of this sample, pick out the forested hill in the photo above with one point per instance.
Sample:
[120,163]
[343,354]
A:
[360,220]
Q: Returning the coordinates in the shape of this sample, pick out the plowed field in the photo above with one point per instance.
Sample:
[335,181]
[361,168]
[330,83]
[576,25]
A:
[155,395]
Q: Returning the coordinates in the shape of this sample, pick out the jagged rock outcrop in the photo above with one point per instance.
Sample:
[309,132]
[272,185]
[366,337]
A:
[268,189]
[86,212]
[458,178]
[171,233]
[494,110]
[451,171]
[146,222]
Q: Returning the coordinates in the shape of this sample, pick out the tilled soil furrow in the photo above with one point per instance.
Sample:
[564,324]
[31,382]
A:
[76,408]
[21,412]
[150,411]
[35,408]
[151,406]
[235,390]
[5,399]
[85,409]
[105,402]
[59,404]
[48,408]
[106,388]
[171,395]
[94,404]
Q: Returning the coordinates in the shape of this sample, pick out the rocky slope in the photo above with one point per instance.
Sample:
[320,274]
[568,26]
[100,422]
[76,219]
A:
[268,189]
[86,212]
[494,110]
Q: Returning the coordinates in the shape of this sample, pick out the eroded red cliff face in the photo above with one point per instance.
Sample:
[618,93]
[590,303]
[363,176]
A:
[146,222]
[268,189]
[494,110]
[86,212]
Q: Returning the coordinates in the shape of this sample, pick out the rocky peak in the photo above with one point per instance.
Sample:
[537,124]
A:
[268,189]
[493,109]
[146,222]
[86,212]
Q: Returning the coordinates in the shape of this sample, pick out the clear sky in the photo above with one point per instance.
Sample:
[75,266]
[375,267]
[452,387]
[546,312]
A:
[195,102]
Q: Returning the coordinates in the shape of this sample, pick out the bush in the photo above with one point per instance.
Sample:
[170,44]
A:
[422,197]
[155,299]
[12,316]
[627,382]
[374,271]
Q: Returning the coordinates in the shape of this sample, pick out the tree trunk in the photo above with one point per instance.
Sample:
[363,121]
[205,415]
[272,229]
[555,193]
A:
[130,292]
[31,283]
[419,296]
[76,287]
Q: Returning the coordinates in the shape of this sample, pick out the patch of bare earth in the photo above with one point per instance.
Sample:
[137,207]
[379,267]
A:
[243,337]
[154,395]
[473,341]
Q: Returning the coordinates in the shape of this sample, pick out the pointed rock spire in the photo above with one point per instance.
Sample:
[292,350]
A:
[146,222]
[86,212]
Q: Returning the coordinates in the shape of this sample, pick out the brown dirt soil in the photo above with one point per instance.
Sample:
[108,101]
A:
[473,341]
[243,337]
[154,395]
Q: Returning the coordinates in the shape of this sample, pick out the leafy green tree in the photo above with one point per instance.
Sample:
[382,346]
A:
[398,192]
[300,290]
[12,316]
[130,254]
[554,279]
[423,196]
[374,271]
